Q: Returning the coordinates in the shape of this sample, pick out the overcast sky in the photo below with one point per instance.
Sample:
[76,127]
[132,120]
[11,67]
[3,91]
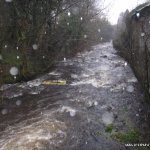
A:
[118,6]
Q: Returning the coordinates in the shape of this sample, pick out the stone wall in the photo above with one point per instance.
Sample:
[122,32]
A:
[133,43]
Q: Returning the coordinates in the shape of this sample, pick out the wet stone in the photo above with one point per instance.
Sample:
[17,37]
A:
[115,115]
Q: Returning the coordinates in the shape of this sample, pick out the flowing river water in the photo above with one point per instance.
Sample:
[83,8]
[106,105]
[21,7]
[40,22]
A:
[101,89]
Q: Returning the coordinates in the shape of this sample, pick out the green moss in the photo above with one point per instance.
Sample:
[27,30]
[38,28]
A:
[98,133]
[132,136]
[109,128]
[8,79]
[10,57]
[142,148]
[28,67]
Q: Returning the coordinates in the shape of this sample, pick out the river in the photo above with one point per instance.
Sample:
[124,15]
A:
[101,90]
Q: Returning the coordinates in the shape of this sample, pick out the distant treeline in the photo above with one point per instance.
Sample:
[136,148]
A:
[36,33]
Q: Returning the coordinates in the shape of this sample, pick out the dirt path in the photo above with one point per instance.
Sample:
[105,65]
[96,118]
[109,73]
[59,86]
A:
[101,102]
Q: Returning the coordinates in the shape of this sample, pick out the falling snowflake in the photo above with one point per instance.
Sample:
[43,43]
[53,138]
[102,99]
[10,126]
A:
[142,34]
[99,30]
[85,36]
[108,118]
[18,102]
[69,14]
[68,23]
[5,46]
[53,14]
[14,71]
[4,111]
[130,89]
[18,57]
[63,7]
[138,15]
[8,1]
[81,18]
[95,103]
[35,46]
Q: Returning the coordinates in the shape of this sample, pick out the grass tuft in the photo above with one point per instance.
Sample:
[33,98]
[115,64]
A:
[131,136]
[109,128]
